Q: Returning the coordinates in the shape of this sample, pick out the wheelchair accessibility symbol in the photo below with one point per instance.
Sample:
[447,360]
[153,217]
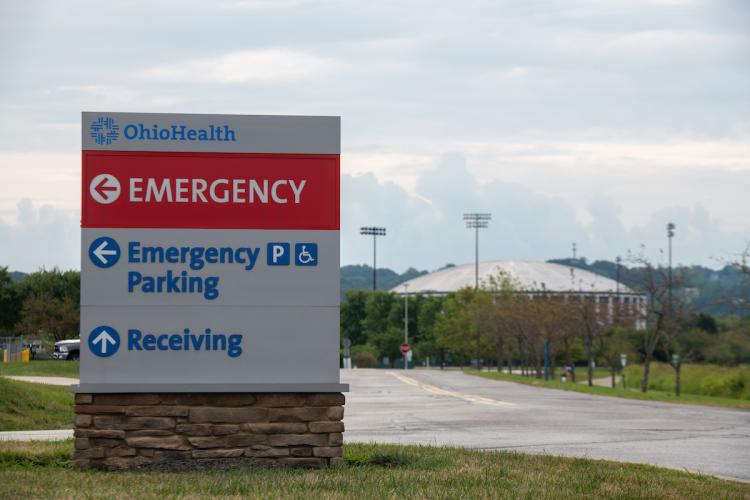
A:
[306,254]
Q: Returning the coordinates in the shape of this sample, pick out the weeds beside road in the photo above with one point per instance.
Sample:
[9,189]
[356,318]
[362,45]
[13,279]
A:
[42,368]
[25,406]
[697,379]
[630,393]
[369,471]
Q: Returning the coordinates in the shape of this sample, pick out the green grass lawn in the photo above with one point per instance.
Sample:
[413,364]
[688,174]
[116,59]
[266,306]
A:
[368,471]
[25,406]
[707,380]
[630,393]
[43,368]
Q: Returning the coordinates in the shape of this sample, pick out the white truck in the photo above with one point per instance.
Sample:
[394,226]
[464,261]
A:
[67,349]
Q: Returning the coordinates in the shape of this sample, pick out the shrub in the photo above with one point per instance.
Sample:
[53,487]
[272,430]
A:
[365,359]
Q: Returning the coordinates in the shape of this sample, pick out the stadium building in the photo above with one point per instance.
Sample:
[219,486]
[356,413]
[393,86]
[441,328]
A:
[539,278]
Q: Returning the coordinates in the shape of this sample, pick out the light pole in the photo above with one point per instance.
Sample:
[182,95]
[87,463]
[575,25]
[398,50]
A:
[618,260]
[618,302]
[374,232]
[670,235]
[477,221]
[406,324]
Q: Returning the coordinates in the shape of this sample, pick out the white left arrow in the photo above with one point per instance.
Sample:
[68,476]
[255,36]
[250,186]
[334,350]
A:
[101,252]
[104,337]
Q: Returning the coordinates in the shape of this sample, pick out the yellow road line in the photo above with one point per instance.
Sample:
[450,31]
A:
[444,392]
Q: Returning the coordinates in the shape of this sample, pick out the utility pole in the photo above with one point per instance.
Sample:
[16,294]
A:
[374,232]
[406,324]
[670,235]
[575,253]
[477,221]
[618,302]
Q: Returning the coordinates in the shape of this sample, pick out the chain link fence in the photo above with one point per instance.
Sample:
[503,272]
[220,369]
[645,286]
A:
[19,349]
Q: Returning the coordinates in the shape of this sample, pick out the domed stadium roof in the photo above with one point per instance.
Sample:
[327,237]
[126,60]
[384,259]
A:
[530,275]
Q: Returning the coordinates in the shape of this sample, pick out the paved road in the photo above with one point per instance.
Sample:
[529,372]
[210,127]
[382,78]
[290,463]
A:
[434,407]
[44,380]
[54,435]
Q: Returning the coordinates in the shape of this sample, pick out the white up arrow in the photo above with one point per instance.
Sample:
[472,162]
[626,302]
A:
[101,253]
[104,337]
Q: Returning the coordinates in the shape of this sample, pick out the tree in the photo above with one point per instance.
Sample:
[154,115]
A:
[50,317]
[585,311]
[454,326]
[486,335]
[611,344]
[61,285]
[659,312]
[377,310]
[50,304]
[377,323]
[10,302]
[353,313]
[501,290]
[426,346]
[388,342]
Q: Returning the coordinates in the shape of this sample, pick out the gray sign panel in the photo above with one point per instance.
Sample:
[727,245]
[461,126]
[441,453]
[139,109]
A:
[275,349]
[107,131]
[206,267]
[202,309]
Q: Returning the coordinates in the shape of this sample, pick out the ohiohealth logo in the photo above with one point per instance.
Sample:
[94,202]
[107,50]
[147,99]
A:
[104,130]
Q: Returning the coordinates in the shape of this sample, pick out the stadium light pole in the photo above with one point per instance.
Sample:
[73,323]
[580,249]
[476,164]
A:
[477,221]
[670,235]
[374,232]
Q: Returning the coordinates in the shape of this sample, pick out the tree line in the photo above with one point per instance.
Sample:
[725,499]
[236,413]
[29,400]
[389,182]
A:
[45,305]
[506,327]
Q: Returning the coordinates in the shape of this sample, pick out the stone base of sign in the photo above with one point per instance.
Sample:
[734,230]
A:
[125,431]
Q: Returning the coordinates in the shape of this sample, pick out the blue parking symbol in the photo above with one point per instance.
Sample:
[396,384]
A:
[278,254]
[306,254]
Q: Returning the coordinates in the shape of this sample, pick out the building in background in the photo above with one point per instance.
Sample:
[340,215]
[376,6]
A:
[612,299]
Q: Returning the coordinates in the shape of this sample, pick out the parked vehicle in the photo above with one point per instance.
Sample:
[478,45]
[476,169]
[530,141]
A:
[67,349]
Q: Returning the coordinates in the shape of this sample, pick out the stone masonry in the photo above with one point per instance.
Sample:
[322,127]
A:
[123,431]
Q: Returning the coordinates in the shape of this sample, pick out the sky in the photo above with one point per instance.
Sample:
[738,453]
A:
[594,122]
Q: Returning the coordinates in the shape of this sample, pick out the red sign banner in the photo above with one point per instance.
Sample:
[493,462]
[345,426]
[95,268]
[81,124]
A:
[210,190]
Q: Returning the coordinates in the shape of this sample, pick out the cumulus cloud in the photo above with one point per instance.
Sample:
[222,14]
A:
[576,120]
[41,236]
[266,66]
[425,227]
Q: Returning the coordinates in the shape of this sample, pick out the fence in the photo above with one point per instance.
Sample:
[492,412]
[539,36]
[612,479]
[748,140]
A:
[18,349]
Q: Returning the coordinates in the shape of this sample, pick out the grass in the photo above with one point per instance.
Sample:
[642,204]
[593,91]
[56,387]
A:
[42,368]
[35,454]
[629,393]
[706,380]
[368,471]
[581,373]
[26,406]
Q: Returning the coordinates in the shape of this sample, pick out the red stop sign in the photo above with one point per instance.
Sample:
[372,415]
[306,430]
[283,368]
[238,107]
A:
[405,348]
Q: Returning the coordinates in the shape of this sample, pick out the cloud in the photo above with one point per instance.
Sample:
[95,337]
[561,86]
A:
[581,120]
[263,66]
[40,237]
[425,227]
[50,179]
